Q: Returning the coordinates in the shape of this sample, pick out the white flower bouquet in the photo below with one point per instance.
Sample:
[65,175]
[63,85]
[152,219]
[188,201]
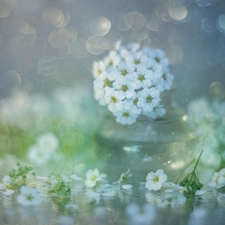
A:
[129,82]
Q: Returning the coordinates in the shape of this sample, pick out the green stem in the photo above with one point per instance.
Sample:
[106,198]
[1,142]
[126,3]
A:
[198,160]
[184,170]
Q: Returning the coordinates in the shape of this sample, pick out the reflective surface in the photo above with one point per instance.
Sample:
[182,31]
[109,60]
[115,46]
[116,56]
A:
[50,121]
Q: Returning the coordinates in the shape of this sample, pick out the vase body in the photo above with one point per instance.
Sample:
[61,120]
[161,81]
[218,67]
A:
[144,146]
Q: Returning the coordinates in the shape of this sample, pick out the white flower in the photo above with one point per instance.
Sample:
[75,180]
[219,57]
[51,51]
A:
[113,99]
[160,58]
[149,99]
[117,46]
[48,142]
[37,155]
[165,81]
[125,87]
[155,181]
[136,59]
[106,79]
[112,59]
[98,68]
[131,104]
[28,196]
[143,77]
[7,180]
[125,117]
[92,176]
[157,111]
[125,70]
[218,179]
[124,176]
[42,151]
[133,47]
[140,215]
[99,95]
[6,185]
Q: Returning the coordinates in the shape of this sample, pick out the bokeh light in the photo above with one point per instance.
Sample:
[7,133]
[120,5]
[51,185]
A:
[47,50]
[217,90]
[37,36]
[47,65]
[220,23]
[6,7]
[100,26]
[10,80]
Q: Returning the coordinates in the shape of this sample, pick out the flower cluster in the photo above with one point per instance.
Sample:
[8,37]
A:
[218,179]
[44,148]
[16,179]
[130,80]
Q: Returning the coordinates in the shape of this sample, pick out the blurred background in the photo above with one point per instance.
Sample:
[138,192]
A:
[47,44]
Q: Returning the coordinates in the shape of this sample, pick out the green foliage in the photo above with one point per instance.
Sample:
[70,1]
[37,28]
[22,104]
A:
[19,175]
[191,181]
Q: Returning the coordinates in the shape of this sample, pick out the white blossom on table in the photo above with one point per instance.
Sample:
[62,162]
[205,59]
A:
[28,196]
[94,176]
[218,179]
[129,82]
[155,181]
[6,185]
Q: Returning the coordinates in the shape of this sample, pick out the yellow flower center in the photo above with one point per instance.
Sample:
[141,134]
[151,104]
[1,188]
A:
[156,179]
[10,187]
[29,197]
[126,114]
[164,76]
[124,88]
[149,98]
[137,61]
[99,71]
[141,77]
[93,178]
[123,72]
[110,63]
[157,59]
[135,101]
[113,99]
[107,82]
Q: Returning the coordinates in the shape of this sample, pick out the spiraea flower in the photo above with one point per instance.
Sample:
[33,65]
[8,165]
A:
[155,181]
[124,177]
[6,185]
[44,148]
[129,82]
[28,196]
[218,179]
[93,176]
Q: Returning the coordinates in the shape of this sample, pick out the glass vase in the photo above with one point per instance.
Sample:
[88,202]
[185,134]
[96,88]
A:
[147,145]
